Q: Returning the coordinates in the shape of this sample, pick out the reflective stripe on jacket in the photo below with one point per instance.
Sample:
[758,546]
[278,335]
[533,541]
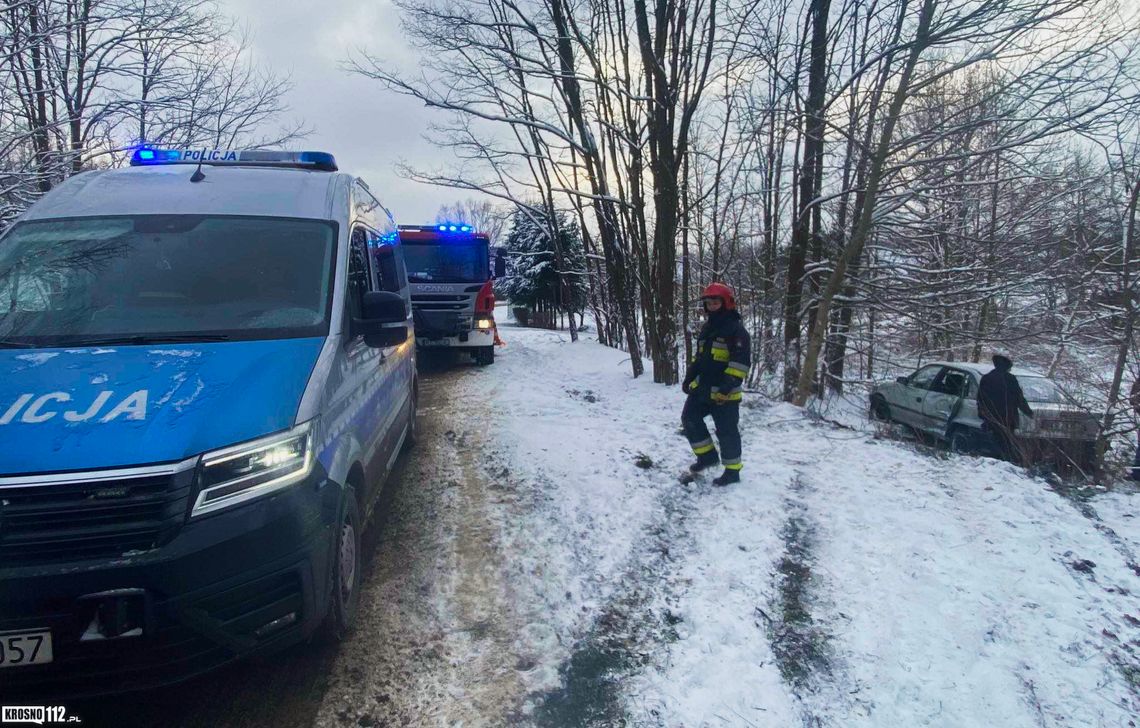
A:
[722,359]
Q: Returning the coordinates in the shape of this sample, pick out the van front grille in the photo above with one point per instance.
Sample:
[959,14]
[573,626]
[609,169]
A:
[74,521]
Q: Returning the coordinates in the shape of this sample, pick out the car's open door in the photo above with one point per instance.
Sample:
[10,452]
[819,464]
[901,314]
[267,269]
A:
[944,399]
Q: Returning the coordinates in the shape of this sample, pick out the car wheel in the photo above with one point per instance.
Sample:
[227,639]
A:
[345,597]
[880,410]
[960,441]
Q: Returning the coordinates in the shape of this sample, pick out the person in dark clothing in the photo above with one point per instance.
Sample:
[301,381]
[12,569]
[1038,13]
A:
[714,382]
[1000,399]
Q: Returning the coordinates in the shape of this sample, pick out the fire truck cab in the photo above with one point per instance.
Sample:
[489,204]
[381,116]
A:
[450,272]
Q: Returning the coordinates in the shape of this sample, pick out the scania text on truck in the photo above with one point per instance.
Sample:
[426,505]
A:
[449,271]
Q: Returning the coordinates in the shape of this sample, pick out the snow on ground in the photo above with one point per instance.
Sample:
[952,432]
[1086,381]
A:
[1120,511]
[848,580]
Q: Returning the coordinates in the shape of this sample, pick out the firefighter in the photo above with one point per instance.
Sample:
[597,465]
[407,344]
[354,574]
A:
[714,384]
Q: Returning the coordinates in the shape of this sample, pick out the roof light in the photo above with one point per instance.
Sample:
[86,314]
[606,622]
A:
[324,161]
[320,160]
[451,228]
[442,228]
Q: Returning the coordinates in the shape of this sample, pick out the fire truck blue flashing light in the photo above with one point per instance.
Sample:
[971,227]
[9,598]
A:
[450,228]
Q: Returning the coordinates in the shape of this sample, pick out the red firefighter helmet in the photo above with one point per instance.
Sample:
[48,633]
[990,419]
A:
[721,291]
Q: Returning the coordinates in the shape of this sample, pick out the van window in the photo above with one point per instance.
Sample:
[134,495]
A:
[86,280]
[385,259]
[359,274]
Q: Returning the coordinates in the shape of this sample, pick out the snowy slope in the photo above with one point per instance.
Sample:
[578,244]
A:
[847,581]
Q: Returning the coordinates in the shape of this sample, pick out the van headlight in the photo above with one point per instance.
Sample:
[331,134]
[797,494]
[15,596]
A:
[240,473]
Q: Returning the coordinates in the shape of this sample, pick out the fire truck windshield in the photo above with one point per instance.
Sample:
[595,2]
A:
[446,262]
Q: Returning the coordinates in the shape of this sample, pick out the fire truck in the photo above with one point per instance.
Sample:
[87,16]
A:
[450,270]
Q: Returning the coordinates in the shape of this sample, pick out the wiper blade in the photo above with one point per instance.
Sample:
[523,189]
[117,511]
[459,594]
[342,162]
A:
[10,344]
[143,339]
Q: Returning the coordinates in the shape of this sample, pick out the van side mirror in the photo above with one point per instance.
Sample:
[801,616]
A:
[384,307]
[384,321]
[500,262]
[391,336]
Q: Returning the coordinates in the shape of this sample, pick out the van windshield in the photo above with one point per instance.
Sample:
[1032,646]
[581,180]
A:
[164,277]
[446,263]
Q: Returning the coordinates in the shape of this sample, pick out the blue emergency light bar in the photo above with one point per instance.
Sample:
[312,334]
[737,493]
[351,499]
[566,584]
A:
[148,156]
[449,228]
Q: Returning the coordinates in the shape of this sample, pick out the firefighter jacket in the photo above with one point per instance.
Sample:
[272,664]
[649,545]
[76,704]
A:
[722,359]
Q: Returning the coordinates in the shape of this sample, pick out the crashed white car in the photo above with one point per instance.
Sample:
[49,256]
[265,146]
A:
[941,400]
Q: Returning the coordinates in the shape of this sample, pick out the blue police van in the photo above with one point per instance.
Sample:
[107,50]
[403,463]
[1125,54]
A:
[207,371]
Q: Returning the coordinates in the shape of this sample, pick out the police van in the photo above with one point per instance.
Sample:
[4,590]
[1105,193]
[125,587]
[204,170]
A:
[207,370]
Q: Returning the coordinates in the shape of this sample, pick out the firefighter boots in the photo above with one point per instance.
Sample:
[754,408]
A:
[704,460]
[728,476]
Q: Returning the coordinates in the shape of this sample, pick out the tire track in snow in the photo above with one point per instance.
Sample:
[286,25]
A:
[435,640]
[639,618]
[800,639]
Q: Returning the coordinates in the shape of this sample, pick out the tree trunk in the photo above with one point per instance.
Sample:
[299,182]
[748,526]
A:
[1124,347]
[991,252]
[607,218]
[801,224]
[874,179]
[40,138]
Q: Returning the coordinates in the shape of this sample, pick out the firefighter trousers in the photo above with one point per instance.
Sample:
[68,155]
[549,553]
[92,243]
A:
[725,416]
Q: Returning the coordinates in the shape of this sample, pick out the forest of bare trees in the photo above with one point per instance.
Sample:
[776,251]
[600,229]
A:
[883,181]
[83,80]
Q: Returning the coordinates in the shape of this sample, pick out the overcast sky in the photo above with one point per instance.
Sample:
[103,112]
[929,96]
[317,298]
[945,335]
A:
[366,127]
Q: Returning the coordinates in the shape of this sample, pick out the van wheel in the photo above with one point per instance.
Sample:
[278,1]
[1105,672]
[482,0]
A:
[345,596]
[485,355]
[880,410]
[960,441]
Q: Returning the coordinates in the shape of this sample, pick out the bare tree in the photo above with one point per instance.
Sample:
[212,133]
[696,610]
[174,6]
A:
[84,80]
[483,215]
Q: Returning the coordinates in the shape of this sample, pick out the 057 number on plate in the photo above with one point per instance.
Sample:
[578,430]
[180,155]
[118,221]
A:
[31,647]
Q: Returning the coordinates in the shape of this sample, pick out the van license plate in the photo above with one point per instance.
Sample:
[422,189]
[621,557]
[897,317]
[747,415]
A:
[25,648]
